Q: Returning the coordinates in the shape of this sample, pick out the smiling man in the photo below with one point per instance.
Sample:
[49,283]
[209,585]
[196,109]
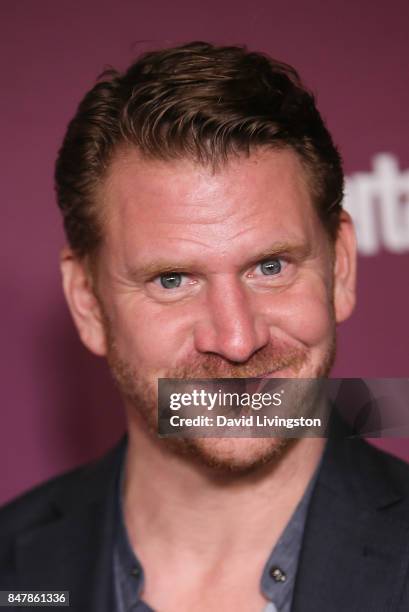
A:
[201,195]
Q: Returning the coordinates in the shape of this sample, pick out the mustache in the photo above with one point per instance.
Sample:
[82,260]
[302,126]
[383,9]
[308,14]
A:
[272,357]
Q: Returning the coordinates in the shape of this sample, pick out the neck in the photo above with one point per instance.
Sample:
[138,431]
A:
[174,504]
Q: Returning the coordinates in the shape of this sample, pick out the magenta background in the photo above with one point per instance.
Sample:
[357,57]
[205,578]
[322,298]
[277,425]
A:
[58,405]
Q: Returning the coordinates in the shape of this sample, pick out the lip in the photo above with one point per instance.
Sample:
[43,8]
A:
[272,374]
[275,374]
[257,387]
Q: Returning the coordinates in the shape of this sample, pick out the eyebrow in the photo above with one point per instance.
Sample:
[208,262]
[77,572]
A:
[298,252]
[149,270]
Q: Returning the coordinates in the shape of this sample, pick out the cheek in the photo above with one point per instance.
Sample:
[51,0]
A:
[149,336]
[304,315]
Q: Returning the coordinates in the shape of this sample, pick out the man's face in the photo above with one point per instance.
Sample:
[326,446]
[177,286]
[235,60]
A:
[206,273]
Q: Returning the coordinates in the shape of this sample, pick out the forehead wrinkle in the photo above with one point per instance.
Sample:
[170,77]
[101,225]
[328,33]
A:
[202,197]
[286,235]
[189,241]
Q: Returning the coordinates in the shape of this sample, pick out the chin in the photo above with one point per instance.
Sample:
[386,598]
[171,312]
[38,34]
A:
[232,455]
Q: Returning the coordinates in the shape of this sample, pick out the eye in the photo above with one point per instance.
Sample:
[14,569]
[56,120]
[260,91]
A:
[172,286]
[271,267]
[171,280]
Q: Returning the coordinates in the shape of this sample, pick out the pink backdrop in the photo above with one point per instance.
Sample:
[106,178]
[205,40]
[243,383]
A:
[59,408]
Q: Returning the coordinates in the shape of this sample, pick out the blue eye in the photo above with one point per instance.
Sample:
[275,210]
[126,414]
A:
[171,280]
[270,267]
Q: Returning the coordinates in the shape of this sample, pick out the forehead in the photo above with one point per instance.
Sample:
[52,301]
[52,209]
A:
[260,197]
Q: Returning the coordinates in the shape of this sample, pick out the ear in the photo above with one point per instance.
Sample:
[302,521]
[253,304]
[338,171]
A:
[345,269]
[82,302]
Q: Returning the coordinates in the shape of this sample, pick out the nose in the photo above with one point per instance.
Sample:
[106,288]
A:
[230,325]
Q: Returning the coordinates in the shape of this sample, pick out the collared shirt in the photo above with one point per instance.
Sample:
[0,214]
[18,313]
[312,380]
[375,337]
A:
[277,580]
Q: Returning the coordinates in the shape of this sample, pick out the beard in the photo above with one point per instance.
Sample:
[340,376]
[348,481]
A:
[221,455]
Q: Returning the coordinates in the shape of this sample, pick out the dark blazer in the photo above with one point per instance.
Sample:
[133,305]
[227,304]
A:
[355,553]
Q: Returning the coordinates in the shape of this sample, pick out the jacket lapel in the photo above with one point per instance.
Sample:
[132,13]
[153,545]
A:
[355,549]
[73,551]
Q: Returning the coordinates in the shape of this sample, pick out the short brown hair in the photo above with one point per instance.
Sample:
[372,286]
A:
[198,100]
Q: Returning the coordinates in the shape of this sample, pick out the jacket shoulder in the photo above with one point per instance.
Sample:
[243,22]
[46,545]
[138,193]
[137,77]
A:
[394,468]
[51,498]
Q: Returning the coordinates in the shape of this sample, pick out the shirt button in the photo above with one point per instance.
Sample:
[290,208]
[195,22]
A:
[135,572]
[277,574]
